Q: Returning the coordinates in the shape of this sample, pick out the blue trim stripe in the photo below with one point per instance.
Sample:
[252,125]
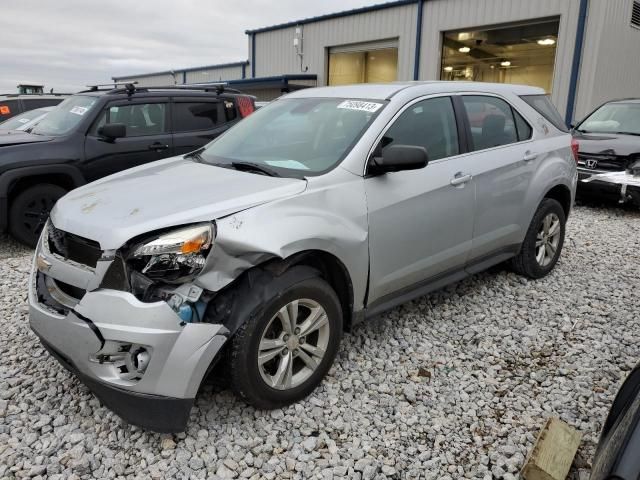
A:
[577,58]
[416,60]
[253,56]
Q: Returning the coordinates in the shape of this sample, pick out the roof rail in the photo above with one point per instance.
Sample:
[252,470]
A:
[211,87]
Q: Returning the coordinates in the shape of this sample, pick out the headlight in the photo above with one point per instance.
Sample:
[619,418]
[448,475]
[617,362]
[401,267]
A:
[175,255]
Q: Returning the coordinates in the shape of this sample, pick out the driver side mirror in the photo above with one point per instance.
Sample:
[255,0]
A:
[111,131]
[396,158]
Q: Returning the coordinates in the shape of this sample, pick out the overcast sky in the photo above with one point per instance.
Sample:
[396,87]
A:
[67,44]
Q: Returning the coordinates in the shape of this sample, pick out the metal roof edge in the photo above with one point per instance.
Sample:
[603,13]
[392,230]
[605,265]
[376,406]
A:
[329,16]
[181,70]
[275,78]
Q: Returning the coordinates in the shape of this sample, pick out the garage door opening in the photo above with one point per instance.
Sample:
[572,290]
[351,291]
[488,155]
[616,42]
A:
[522,54]
[363,64]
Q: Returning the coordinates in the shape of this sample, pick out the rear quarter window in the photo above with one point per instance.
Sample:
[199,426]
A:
[542,105]
[194,116]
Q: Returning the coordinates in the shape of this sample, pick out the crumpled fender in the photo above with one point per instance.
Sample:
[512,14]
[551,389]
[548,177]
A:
[328,218]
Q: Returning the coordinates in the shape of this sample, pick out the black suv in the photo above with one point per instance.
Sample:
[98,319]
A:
[12,104]
[99,132]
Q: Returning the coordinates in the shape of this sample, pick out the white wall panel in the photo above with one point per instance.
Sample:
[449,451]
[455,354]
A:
[276,55]
[611,56]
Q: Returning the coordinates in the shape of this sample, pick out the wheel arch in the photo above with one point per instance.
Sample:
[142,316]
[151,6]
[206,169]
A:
[17,180]
[232,305]
[562,194]
[331,269]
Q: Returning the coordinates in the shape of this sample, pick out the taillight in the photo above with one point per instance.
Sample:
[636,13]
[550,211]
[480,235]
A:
[575,147]
[5,110]
[245,106]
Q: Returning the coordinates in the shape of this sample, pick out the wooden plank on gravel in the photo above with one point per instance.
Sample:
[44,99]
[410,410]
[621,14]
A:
[553,452]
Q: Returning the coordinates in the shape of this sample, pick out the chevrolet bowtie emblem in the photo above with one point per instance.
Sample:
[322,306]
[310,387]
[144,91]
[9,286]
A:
[42,264]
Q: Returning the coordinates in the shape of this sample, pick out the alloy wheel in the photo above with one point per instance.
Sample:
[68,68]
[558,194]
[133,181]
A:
[548,239]
[293,344]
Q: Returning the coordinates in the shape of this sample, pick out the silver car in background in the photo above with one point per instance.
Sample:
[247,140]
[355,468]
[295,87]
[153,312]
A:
[326,207]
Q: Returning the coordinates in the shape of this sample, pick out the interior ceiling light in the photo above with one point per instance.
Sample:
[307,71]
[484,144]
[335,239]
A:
[448,69]
[464,49]
[546,41]
[506,63]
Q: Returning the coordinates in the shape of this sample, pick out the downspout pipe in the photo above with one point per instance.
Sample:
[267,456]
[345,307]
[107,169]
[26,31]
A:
[416,60]
[577,59]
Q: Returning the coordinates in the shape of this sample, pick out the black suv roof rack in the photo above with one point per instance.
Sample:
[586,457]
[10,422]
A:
[102,87]
[130,88]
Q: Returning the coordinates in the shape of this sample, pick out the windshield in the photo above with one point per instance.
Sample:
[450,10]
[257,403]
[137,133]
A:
[295,136]
[65,116]
[21,120]
[613,118]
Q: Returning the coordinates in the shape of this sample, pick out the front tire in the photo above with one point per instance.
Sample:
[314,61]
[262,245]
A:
[543,242]
[284,350]
[30,210]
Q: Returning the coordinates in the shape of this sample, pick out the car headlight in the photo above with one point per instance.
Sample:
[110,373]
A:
[175,255]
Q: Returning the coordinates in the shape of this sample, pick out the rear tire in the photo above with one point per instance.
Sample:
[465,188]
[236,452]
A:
[297,362]
[543,242]
[30,210]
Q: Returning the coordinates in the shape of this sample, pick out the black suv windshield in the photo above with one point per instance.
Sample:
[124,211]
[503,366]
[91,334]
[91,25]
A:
[64,117]
[613,118]
[305,135]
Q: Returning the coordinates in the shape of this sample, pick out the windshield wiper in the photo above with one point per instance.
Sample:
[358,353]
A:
[249,167]
[628,133]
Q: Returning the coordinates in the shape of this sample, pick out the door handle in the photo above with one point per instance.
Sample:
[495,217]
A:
[460,179]
[158,147]
[529,155]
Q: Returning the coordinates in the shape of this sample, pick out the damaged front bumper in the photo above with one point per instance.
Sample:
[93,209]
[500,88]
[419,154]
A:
[623,185]
[139,358]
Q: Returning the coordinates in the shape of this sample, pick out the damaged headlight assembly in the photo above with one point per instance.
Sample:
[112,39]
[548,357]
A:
[176,256]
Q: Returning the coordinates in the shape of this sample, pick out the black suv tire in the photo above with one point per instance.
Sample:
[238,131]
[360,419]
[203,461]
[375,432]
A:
[526,263]
[30,209]
[247,377]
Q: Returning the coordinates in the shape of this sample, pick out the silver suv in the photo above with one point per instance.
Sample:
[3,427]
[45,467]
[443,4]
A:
[324,208]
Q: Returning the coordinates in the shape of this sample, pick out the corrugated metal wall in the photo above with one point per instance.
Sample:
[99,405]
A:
[611,56]
[276,55]
[214,74]
[443,15]
[160,80]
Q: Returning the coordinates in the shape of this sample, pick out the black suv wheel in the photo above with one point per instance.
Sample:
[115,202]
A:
[30,209]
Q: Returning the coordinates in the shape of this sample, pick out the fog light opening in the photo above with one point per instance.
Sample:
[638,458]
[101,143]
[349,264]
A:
[140,359]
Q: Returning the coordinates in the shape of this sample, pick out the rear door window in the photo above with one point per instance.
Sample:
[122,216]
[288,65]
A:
[542,105]
[491,121]
[194,116]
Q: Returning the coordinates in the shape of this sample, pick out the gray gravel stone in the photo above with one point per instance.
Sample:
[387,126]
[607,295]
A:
[453,385]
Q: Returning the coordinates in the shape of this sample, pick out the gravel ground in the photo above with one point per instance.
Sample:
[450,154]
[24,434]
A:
[453,385]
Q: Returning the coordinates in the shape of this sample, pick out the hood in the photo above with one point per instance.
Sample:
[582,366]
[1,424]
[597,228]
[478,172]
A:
[17,137]
[608,144]
[162,194]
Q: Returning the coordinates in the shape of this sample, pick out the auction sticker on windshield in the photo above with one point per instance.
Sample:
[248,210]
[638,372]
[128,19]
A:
[79,110]
[360,105]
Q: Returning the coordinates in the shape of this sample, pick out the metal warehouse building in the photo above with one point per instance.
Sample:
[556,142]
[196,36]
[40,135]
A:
[582,52]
